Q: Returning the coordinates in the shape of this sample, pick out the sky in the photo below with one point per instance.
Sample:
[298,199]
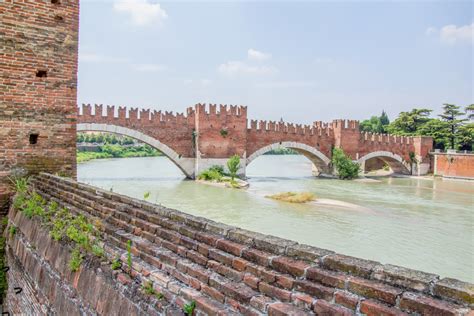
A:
[300,61]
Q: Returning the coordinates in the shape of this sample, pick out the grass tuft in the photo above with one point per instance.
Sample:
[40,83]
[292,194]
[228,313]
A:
[293,197]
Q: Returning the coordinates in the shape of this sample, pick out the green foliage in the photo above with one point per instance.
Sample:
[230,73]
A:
[116,264]
[470,111]
[233,164]
[466,136]
[224,132]
[12,230]
[451,116]
[129,254]
[376,124]
[210,175]
[148,288]
[76,259]
[282,151]
[408,123]
[346,168]
[146,195]
[118,151]
[189,308]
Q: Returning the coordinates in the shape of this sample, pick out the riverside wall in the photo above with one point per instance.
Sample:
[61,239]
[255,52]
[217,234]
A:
[225,270]
[453,165]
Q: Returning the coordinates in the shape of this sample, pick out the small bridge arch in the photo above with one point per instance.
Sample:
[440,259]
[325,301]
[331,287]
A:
[395,161]
[319,160]
[186,165]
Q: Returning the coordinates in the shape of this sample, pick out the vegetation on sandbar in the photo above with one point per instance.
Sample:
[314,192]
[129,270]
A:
[293,197]
[345,167]
[217,174]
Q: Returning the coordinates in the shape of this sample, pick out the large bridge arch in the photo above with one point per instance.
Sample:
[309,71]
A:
[319,160]
[395,161]
[186,165]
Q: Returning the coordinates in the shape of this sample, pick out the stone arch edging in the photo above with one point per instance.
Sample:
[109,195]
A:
[186,165]
[385,154]
[322,158]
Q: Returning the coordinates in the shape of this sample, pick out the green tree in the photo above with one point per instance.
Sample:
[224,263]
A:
[409,123]
[376,124]
[346,168]
[470,111]
[466,136]
[233,164]
[451,115]
[436,129]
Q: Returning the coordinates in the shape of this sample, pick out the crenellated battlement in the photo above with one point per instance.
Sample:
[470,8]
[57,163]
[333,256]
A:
[99,112]
[223,110]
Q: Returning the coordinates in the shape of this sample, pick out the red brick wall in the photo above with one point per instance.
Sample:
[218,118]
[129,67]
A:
[211,124]
[454,165]
[38,36]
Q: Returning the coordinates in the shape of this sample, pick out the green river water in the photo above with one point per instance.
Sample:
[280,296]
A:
[423,224]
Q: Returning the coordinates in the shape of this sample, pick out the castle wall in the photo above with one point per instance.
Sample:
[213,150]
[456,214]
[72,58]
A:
[38,86]
[453,165]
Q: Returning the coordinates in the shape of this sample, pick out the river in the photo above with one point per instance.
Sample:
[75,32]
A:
[422,224]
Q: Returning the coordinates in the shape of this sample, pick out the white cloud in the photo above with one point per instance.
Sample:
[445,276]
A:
[200,82]
[451,34]
[97,58]
[287,84]
[148,67]
[253,54]
[233,68]
[142,12]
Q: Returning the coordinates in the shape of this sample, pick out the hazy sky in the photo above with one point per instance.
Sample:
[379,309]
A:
[303,61]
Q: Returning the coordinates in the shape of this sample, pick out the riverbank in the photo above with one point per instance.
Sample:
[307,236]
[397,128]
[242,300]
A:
[117,151]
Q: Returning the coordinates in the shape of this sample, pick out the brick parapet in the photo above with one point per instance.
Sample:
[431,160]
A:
[222,266]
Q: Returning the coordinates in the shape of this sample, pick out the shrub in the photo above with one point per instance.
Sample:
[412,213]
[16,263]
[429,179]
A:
[346,168]
[233,164]
[210,175]
[293,197]
[76,259]
[12,230]
[129,254]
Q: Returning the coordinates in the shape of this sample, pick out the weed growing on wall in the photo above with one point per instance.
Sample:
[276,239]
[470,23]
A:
[188,308]
[129,254]
[3,273]
[61,223]
[116,264]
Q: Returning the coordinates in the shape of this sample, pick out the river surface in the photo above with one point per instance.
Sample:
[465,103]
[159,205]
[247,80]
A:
[422,224]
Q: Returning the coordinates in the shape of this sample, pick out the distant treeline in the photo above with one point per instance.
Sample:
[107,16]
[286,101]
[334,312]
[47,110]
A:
[454,128]
[282,151]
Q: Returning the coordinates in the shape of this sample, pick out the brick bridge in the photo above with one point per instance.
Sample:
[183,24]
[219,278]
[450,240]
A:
[208,135]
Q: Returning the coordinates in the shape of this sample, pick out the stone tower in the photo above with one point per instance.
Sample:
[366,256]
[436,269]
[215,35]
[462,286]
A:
[38,88]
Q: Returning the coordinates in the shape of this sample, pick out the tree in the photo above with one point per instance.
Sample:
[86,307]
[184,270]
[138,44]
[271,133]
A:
[408,123]
[470,111]
[376,124]
[233,164]
[451,116]
[436,129]
[346,168]
[466,137]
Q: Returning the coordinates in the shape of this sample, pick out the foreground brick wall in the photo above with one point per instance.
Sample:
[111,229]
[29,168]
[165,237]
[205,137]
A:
[226,270]
[38,83]
[453,165]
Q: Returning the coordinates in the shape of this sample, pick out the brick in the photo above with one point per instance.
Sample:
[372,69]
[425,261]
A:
[285,281]
[215,294]
[314,289]
[272,291]
[326,277]
[418,303]
[261,302]
[403,277]
[257,256]
[372,308]
[352,265]
[230,247]
[282,309]
[239,264]
[287,265]
[458,291]
[346,299]
[209,307]
[302,300]
[251,281]
[238,291]
[221,256]
[376,290]
[324,308]
[307,252]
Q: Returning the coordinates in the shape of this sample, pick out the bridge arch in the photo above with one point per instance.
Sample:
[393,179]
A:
[396,162]
[319,160]
[186,165]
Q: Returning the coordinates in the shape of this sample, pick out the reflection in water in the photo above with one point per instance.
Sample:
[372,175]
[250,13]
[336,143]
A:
[419,223]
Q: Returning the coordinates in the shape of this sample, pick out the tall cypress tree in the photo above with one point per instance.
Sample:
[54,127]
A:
[451,116]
